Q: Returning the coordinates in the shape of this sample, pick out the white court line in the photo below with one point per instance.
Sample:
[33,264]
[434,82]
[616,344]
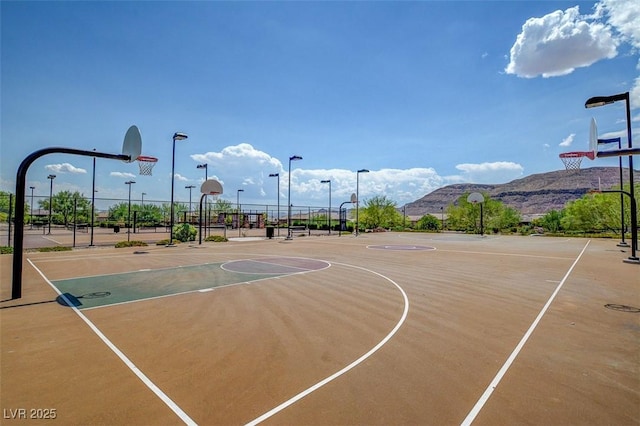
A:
[496,380]
[262,262]
[135,370]
[182,293]
[337,374]
[51,239]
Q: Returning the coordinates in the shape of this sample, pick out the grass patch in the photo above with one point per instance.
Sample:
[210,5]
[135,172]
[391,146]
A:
[6,250]
[54,248]
[122,244]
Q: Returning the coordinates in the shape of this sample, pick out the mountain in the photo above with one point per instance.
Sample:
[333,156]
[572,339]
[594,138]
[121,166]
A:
[535,194]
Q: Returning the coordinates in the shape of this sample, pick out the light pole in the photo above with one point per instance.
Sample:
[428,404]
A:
[622,242]
[190,187]
[32,188]
[278,220]
[204,166]
[358,198]
[206,170]
[329,182]
[176,137]
[292,158]
[129,182]
[142,215]
[404,217]
[51,178]
[605,100]
[238,207]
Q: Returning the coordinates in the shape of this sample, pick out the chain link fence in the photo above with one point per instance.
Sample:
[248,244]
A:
[81,221]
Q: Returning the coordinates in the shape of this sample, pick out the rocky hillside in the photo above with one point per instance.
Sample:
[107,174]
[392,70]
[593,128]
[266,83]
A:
[535,194]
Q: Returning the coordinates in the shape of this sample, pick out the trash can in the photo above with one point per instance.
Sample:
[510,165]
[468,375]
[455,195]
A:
[270,232]
[116,228]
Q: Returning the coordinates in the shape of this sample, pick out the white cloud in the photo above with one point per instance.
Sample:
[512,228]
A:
[236,156]
[568,140]
[64,168]
[179,177]
[122,175]
[248,168]
[634,96]
[560,42]
[624,16]
[496,172]
[400,185]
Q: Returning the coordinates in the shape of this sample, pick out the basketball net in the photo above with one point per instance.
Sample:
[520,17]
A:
[146,164]
[572,160]
[572,164]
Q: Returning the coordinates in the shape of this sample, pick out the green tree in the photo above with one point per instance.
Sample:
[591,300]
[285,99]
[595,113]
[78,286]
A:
[63,204]
[4,206]
[465,216]
[379,211]
[551,221]
[600,211]
[147,214]
[503,217]
[177,208]
[118,212]
[428,223]
[222,206]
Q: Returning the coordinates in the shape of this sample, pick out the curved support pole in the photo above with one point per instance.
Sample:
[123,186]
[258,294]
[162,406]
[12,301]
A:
[200,219]
[340,217]
[21,177]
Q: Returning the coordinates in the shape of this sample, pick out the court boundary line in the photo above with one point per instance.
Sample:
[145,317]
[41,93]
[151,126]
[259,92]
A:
[200,290]
[167,268]
[353,364]
[503,370]
[134,369]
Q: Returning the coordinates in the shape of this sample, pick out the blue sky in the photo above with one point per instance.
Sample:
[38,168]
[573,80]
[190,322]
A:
[422,94]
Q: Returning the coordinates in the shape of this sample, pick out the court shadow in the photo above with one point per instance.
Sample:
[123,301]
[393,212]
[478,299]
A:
[24,304]
[65,299]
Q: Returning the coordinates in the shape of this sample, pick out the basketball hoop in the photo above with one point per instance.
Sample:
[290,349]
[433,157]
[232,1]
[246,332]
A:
[146,164]
[572,160]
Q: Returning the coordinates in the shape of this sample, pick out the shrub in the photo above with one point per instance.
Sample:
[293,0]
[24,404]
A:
[166,242]
[6,250]
[216,239]
[185,232]
[131,244]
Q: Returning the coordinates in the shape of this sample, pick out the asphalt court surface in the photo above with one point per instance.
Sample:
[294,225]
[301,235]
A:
[380,329]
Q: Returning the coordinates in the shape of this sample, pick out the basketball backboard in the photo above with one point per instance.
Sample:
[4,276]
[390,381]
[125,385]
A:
[593,138]
[211,187]
[132,144]
[475,197]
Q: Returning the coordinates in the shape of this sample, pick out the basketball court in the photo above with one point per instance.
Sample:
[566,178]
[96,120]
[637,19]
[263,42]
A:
[384,328]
